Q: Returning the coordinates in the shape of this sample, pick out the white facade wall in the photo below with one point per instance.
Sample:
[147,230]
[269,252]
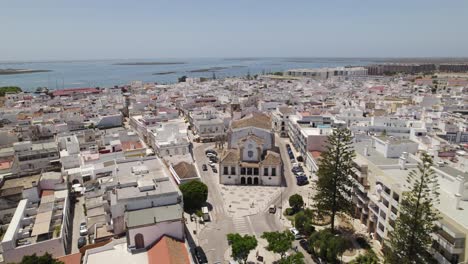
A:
[238,134]
[32,194]
[390,150]
[154,232]
[55,247]
[110,121]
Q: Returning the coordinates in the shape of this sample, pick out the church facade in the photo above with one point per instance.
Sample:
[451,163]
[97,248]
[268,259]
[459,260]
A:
[251,157]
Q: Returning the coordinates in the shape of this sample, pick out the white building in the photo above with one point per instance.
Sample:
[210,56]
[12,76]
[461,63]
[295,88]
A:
[169,138]
[325,73]
[38,228]
[380,177]
[35,157]
[251,157]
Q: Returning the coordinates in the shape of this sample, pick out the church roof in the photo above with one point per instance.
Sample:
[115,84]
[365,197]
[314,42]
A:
[258,120]
[230,156]
[253,137]
[272,158]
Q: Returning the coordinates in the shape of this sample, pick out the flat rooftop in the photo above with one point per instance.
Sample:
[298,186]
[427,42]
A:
[447,206]
[453,172]
[394,140]
[23,182]
[144,178]
[153,215]
[374,156]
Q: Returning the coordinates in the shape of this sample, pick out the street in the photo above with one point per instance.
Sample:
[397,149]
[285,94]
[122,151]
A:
[212,235]
[78,217]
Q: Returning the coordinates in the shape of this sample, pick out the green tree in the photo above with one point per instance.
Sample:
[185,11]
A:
[303,222]
[278,242]
[195,194]
[9,89]
[327,245]
[368,258]
[297,258]
[334,184]
[296,202]
[182,79]
[411,239]
[44,259]
[241,246]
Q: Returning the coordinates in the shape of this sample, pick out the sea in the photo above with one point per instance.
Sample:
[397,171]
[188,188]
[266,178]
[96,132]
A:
[108,73]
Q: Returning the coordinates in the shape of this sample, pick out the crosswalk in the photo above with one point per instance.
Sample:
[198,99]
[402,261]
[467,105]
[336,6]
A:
[241,225]
[218,209]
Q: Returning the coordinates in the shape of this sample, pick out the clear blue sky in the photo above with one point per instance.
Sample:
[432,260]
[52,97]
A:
[99,29]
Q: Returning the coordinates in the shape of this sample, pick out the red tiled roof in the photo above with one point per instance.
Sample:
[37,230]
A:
[316,154]
[131,145]
[168,251]
[47,192]
[71,259]
[69,91]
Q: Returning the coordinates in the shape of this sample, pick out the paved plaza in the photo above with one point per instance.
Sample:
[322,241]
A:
[248,200]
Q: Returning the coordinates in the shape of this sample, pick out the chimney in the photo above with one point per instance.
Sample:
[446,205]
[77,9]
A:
[402,162]
[461,186]
[458,198]
[405,155]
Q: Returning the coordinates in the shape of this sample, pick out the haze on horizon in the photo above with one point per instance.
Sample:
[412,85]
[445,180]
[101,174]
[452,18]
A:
[106,29]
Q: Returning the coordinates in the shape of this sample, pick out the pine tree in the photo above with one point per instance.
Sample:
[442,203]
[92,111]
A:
[334,184]
[411,239]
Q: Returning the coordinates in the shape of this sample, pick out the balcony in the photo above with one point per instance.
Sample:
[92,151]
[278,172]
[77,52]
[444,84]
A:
[386,196]
[440,259]
[380,232]
[365,210]
[447,245]
[393,216]
[362,197]
[374,209]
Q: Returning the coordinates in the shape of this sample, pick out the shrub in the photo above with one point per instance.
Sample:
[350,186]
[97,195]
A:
[289,211]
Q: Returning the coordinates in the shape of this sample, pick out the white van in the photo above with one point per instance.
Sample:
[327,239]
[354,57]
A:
[295,232]
[206,214]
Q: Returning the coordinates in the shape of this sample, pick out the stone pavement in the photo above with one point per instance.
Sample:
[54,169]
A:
[248,200]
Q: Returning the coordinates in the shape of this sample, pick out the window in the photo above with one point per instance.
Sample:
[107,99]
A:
[250,153]
[265,171]
[249,171]
[273,171]
[255,171]
[242,171]
[233,170]
[225,170]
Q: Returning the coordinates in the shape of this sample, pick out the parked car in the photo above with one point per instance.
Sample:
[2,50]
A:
[209,155]
[299,174]
[83,229]
[295,233]
[210,151]
[302,180]
[200,255]
[306,246]
[214,159]
[204,167]
[272,209]
[214,169]
[81,242]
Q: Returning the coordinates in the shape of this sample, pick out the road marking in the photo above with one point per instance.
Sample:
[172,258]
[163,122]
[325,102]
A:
[240,225]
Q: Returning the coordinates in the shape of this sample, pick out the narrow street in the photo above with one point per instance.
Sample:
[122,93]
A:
[78,217]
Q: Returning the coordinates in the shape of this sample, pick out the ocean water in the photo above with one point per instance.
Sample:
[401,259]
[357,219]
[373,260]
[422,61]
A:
[105,73]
